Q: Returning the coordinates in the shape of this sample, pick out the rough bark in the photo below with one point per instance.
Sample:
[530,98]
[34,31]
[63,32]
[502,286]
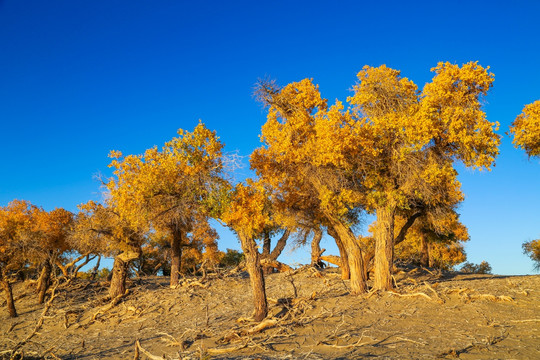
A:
[355,257]
[6,286]
[119,273]
[119,276]
[424,251]
[176,256]
[253,265]
[384,248]
[316,250]
[345,270]
[44,281]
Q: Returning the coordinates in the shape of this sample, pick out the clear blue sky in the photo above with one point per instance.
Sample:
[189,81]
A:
[79,78]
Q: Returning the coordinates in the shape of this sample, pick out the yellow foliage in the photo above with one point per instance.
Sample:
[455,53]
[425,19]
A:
[526,129]
[247,212]
[168,187]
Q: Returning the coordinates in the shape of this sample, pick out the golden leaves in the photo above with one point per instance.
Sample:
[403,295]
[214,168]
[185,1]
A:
[526,129]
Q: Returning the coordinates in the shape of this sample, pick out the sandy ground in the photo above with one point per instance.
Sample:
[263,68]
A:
[312,316]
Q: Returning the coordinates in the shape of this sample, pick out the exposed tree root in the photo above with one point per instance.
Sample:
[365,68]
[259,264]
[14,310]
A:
[109,306]
[20,344]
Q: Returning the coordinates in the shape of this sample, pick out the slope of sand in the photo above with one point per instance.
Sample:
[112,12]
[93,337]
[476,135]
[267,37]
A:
[312,316]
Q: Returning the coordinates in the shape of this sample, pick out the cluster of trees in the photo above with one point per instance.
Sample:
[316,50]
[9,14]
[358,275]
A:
[526,131]
[390,152]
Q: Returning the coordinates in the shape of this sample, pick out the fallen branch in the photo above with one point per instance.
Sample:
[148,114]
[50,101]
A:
[138,348]
[332,259]
[39,323]
[411,295]
[356,344]
[526,320]
[434,292]
[279,266]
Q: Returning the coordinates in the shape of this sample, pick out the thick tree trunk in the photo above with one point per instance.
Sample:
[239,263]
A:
[384,248]
[256,276]
[355,258]
[424,251]
[345,270]
[44,281]
[316,249]
[120,271]
[119,276]
[176,256]
[6,286]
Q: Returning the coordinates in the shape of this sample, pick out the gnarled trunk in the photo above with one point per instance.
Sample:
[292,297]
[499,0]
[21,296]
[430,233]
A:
[6,286]
[253,265]
[355,257]
[345,270]
[119,273]
[176,256]
[384,248]
[118,279]
[44,280]
[316,250]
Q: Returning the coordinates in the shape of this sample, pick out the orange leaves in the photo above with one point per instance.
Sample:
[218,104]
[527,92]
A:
[29,233]
[526,129]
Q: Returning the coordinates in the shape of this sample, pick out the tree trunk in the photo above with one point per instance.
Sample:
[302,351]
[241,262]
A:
[267,244]
[274,254]
[355,257]
[176,256]
[384,248]
[256,276]
[316,250]
[119,276]
[4,282]
[120,271]
[345,270]
[424,251]
[44,280]
[96,268]
[368,257]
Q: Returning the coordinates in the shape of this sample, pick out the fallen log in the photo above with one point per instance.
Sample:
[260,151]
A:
[332,259]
